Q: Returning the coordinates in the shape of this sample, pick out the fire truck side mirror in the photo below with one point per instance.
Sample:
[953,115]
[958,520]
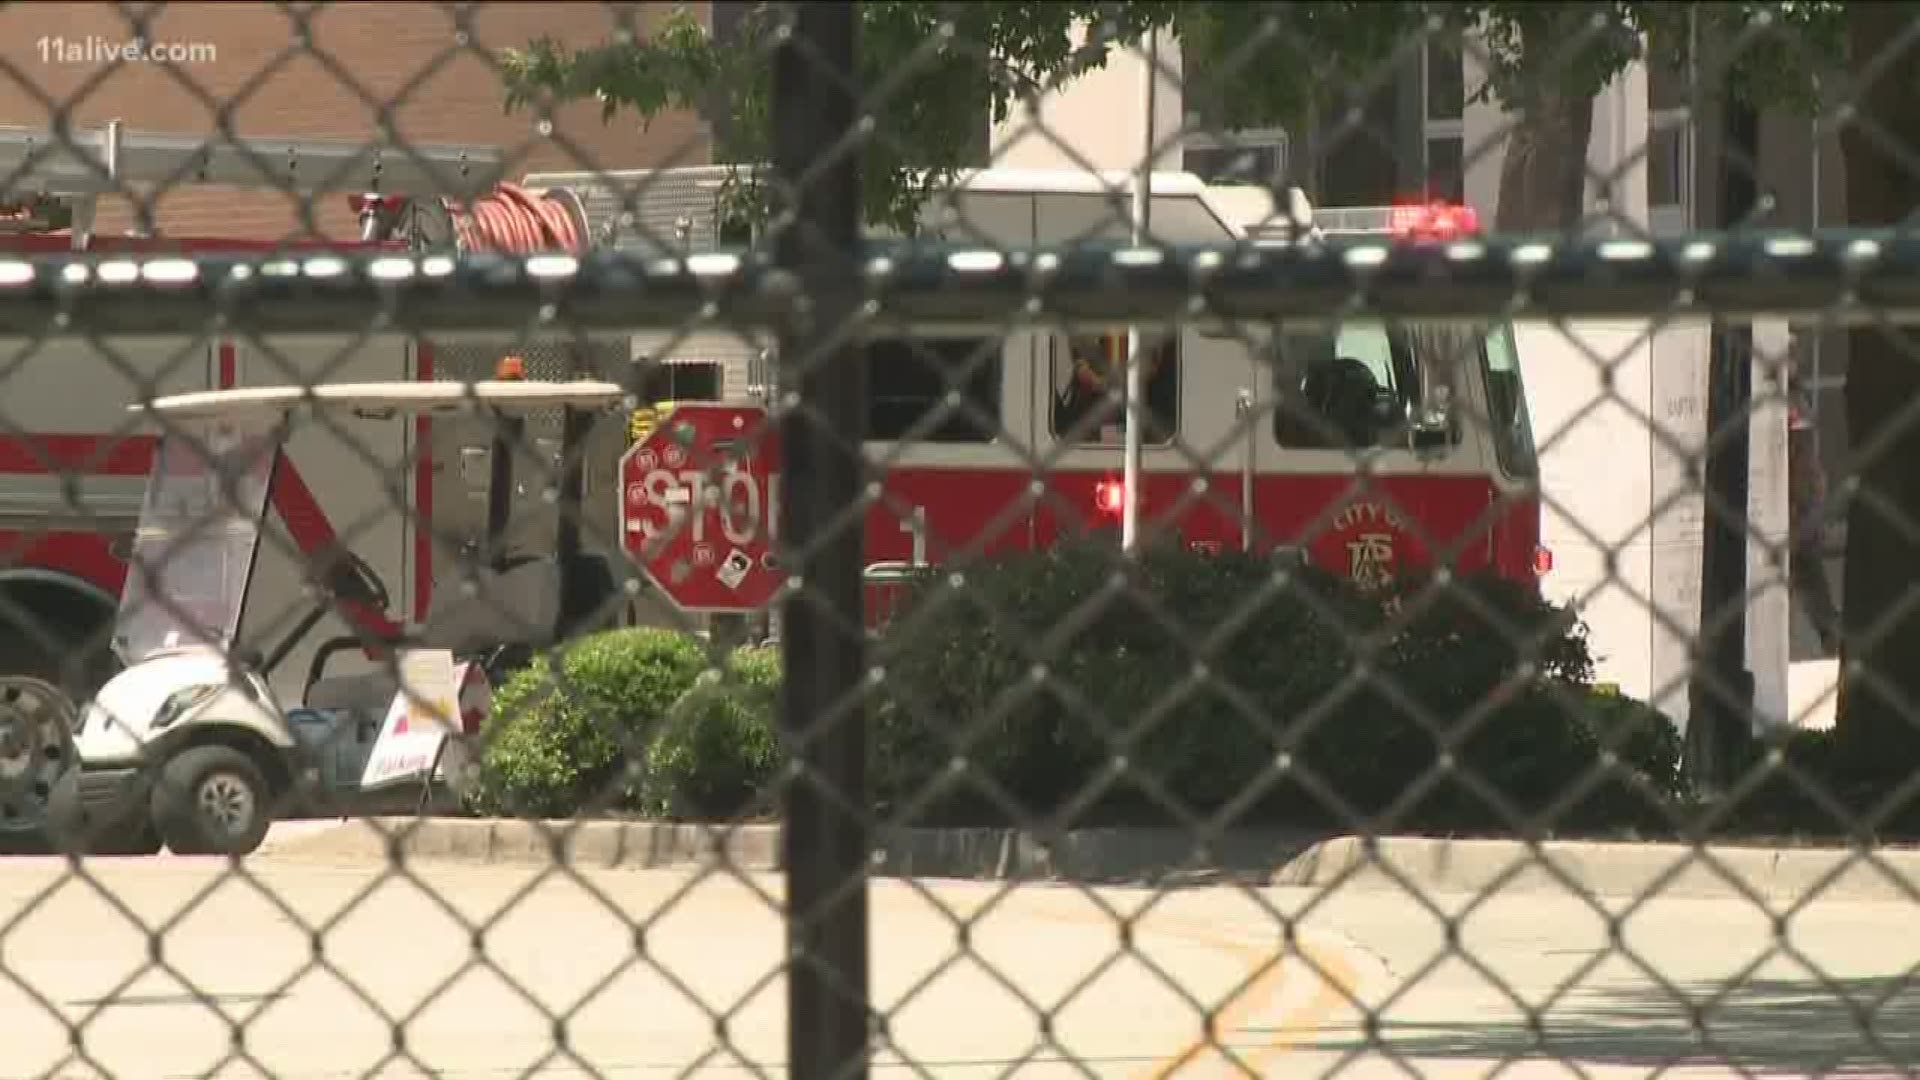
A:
[1432,429]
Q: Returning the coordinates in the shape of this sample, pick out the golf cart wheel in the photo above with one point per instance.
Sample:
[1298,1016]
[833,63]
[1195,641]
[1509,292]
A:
[212,800]
[36,746]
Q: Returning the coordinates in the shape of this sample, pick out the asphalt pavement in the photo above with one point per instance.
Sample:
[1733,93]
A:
[316,965]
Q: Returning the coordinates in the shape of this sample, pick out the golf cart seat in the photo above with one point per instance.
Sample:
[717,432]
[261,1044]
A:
[519,604]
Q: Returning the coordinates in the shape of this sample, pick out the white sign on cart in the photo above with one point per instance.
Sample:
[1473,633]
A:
[423,715]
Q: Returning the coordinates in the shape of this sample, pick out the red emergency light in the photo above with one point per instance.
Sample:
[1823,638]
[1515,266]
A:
[1110,496]
[1433,221]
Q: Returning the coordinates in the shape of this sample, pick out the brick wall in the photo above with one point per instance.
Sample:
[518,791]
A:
[275,88]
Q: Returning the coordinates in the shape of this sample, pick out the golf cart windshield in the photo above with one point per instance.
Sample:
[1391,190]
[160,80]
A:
[199,528]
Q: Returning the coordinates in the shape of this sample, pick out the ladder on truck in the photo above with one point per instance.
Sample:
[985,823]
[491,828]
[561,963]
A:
[75,168]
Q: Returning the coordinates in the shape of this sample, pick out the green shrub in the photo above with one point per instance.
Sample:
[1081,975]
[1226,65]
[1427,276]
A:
[1640,735]
[1354,693]
[560,741]
[1232,686]
[1120,680]
[718,749]
[1503,677]
[1783,801]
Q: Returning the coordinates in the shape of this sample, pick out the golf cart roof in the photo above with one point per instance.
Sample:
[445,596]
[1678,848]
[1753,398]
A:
[423,397]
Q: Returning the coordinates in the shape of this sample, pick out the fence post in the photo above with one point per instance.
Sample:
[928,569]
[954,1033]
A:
[822,409]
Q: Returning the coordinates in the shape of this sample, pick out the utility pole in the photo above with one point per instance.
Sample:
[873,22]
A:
[1136,382]
[1720,706]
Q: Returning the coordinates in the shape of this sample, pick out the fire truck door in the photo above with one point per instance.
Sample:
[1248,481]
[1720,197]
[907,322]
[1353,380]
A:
[1192,457]
[352,463]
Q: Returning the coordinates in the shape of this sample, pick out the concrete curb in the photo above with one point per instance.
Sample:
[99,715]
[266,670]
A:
[1142,856]
[1608,868]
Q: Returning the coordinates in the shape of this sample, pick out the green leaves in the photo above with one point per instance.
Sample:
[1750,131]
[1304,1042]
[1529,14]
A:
[935,74]
[677,68]
[1268,65]
[562,740]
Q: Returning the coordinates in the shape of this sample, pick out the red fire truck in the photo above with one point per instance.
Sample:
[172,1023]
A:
[1252,439]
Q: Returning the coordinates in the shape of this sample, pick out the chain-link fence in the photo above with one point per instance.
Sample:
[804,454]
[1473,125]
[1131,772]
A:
[973,539]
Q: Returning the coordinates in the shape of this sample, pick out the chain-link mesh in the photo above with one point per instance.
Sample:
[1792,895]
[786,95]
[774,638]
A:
[1117,539]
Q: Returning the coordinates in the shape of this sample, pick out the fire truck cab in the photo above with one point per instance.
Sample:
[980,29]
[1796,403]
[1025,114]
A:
[1254,438]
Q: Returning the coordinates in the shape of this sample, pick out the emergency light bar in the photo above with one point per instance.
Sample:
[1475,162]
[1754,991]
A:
[1429,220]
[1406,221]
[1434,221]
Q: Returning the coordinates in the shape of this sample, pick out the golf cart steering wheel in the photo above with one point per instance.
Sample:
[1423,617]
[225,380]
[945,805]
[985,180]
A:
[354,581]
[348,579]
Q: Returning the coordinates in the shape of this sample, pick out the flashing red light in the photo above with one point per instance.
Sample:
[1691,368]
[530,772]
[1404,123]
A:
[1109,496]
[1434,221]
[1542,560]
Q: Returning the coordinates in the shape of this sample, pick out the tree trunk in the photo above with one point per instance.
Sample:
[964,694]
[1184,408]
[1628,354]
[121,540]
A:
[1879,711]
[1543,177]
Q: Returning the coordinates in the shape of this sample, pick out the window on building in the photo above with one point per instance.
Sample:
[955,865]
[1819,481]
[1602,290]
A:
[1669,84]
[1243,157]
[1359,385]
[1446,79]
[1089,372]
[1669,159]
[1360,162]
[1443,108]
[933,389]
[1670,129]
[1446,169]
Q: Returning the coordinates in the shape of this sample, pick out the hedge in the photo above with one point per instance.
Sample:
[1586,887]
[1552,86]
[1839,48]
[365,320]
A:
[562,739]
[1234,687]
[1047,686]
[717,750]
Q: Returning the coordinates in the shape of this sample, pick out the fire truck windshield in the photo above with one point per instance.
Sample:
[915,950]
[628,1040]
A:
[199,528]
[1507,415]
[1362,384]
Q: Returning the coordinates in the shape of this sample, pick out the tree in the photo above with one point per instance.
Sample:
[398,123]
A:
[1810,56]
[939,70]
[946,66]
[1545,64]
[1879,713]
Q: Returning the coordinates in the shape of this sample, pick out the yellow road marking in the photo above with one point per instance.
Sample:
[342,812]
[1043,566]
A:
[1289,1028]
[1336,978]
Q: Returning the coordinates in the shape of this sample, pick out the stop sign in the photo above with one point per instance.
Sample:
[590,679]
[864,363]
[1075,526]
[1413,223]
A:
[699,499]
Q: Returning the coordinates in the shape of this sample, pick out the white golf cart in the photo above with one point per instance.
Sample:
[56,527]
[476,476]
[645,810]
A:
[189,746]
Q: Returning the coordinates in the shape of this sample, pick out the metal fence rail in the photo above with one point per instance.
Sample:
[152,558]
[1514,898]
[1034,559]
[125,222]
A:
[1477,691]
